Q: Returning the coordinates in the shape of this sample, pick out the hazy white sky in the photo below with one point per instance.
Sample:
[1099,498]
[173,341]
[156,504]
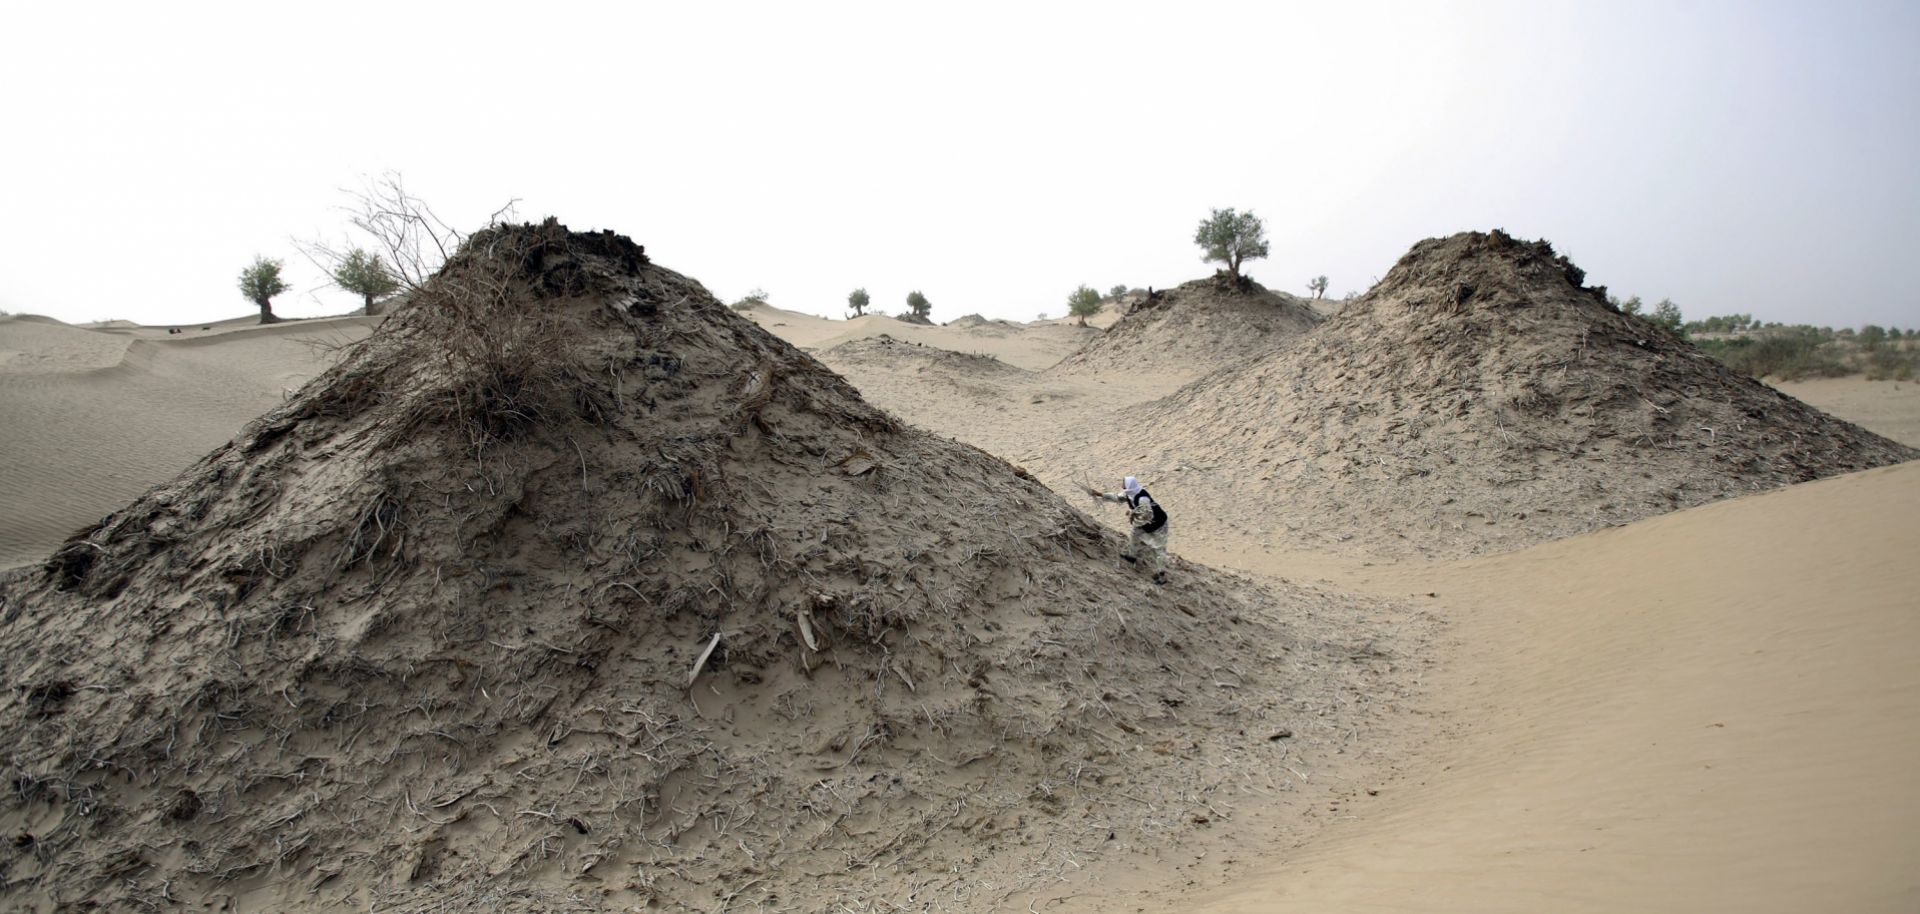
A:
[1736,157]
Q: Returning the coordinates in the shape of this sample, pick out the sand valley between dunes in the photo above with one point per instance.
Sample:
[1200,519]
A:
[1531,687]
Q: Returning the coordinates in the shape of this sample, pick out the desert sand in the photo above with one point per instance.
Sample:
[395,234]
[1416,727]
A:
[1705,702]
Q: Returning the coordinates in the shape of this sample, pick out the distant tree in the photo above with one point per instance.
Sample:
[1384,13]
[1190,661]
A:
[1318,286]
[260,283]
[1083,303]
[858,300]
[1117,291]
[1666,314]
[918,306]
[1231,238]
[1872,335]
[1631,306]
[367,276]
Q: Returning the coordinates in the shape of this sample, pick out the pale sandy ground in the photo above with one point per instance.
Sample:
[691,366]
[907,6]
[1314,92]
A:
[1715,710]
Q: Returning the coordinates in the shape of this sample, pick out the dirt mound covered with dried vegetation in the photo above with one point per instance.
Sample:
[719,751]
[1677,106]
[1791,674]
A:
[1480,397]
[570,589]
[1195,327]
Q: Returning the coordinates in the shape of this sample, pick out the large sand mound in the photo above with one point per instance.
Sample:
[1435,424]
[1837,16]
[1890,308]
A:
[1194,328]
[1479,397]
[572,590]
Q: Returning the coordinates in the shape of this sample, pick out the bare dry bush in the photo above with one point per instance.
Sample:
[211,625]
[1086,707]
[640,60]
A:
[490,358]
[407,235]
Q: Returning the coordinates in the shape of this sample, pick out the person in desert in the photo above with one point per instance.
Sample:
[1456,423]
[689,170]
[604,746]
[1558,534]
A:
[1149,541]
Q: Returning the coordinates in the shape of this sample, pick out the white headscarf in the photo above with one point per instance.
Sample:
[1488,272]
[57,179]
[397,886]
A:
[1132,486]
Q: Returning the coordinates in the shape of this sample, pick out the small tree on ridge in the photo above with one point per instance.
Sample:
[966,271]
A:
[1083,303]
[918,305]
[858,300]
[1666,314]
[1231,238]
[367,276]
[260,283]
[1318,286]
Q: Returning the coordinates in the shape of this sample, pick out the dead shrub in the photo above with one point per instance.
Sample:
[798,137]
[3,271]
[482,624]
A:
[501,362]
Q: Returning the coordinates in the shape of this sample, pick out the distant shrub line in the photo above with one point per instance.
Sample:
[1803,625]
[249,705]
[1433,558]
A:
[1800,352]
[1789,353]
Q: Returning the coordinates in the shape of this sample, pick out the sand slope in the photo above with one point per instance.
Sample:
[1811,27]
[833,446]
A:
[93,418]
[1715,710]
